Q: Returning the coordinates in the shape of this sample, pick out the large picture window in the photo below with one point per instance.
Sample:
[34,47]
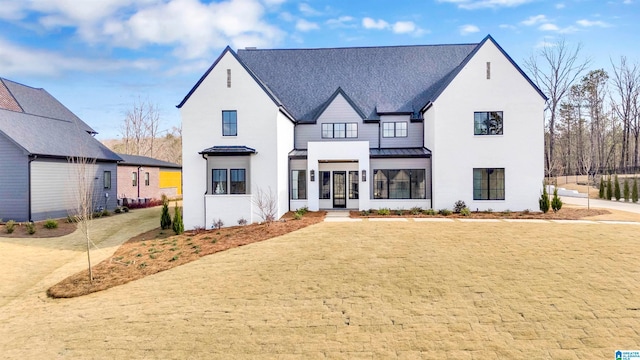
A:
[229,123]
[399,184]
[238,181]
[325,185]
[339,130]
[353,185]
[298,184]
[394,129]
[487,123]
[219,184]
[488,184]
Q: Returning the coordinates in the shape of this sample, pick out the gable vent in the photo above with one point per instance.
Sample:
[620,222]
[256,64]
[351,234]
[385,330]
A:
[228,78]
[488,70]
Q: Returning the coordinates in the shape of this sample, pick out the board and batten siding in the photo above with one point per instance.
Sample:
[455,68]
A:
[339,111]
[54,186]
[14,182]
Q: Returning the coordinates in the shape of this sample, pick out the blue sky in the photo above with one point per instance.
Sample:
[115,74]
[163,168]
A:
[98,56]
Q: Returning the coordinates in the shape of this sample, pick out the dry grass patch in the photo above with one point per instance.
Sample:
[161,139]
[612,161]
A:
[158,250]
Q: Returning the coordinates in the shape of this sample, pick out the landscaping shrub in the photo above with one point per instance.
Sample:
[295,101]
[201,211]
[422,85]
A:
[242,221]
[458,206]
[556,203]
[445,212]
[10,226]
[303,210]
[178,225]
[118,210]
[544,200]
[616,189]
[416,210]
[465,211]
[165,218]
[399,212]
[384,211]
[625,191]
[297,216]
[430,212]
[217,224]
[609,189]
[106,212]
[31,228]
[50,224]
[634,191]
[125,209]
[365,212]
[601,192]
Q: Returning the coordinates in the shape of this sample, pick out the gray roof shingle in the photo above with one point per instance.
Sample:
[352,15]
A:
[137,160]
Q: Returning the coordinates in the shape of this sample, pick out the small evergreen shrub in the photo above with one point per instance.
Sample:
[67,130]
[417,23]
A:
[303,210]
[634,191]
[416,210]
[616,189]
[165,218]
[178,225]
[10,226]
[465,211]
[625,190]
[458,206]
[430,212]
[384,211]
[50,224]
[445,212]
[556,203]
[601,192]
[125,209]
[399,212]
[31,228]
[544,200]
[609,195]
[242,221]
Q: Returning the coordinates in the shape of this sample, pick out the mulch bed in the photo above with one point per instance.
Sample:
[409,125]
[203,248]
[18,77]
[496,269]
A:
[20,231]
[562,214]
[158,250]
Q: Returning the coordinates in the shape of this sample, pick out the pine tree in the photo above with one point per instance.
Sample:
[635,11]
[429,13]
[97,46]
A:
[165,218]
[544,199]
[616,189]
[625,190]
[556,203]
[601,193]
[178,225]
[609,189]
[634,191]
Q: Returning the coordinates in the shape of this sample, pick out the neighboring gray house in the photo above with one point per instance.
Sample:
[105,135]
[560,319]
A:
[38,137]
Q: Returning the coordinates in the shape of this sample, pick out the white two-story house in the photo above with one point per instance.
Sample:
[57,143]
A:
[361,128]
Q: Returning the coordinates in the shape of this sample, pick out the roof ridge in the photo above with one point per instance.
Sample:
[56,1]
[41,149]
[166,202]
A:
[21,84]
[357,47]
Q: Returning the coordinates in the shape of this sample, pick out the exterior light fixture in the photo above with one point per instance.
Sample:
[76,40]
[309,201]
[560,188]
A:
[364,175]
[312,175]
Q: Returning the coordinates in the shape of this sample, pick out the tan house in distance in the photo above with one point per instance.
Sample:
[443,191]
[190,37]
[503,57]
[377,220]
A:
[148,178]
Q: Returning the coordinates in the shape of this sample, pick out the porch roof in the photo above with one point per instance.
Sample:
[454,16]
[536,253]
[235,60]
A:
[228,151]
[419,152]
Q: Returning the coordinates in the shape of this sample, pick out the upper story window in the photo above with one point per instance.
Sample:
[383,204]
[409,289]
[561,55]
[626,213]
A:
[339,130]
[394,129]
[229,123]
[487,123]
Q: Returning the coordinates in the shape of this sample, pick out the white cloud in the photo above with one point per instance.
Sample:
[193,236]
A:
[549,27]
[304,25]
[286,16]
[404,27]
[627,2]
[307,10]
[588,23]
[560,6]
[556,28]
[483,4]
[468,29]
[370,23]
[12,10]
[533,20]
[342,21]
[507,26]
[18,60]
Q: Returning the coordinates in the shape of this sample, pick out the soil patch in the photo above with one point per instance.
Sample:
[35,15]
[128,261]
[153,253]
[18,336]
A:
[158,250]
[566,213]
[20,230]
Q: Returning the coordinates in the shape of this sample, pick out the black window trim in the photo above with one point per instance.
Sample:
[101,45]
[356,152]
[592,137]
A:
[410,188]
[488,112]
[504,180]
[236,125]
[333,130]
[395,131]
[244,175]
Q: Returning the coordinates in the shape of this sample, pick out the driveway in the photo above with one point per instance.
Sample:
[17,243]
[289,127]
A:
[361,290]
[603,204]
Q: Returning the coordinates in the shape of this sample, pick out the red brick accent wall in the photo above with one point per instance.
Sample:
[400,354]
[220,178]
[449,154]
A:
[125,184]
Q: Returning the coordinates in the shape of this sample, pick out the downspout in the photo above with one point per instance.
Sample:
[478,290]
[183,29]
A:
[31,159]
[204,198]
[379,135]
[289,182]
[431,179]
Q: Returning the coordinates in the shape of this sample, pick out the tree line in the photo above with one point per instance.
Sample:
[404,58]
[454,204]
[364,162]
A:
[592,119]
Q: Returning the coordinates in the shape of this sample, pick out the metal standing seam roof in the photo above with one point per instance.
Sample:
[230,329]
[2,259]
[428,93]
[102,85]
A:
[228,150]
[419,152]
[138,160]
[46,128]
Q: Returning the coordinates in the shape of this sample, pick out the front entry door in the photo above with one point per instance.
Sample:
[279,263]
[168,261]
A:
[339,189]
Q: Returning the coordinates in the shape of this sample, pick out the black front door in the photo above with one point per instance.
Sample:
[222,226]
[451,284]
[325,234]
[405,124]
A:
[339,189]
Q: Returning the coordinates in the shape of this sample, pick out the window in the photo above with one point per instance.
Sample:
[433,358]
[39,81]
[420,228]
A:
[399,184]
[339,130]
[394,129]
[229,123]
[353,184]
[238,181]
[298,184]
[134,179]
[325,185]
[488,184]
[107,179]
[146,179]
[219,181]
[487,123]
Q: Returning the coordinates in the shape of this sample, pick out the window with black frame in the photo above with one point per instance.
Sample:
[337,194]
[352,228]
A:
[298,184]
[219,184]
[487,123]
[353,185]
[325,185]
[238,181]
[399,184]
[488,184]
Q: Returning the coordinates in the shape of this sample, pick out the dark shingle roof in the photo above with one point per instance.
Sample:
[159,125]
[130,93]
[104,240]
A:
[228,150]
[137,160]
[43,126]
[393,79]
